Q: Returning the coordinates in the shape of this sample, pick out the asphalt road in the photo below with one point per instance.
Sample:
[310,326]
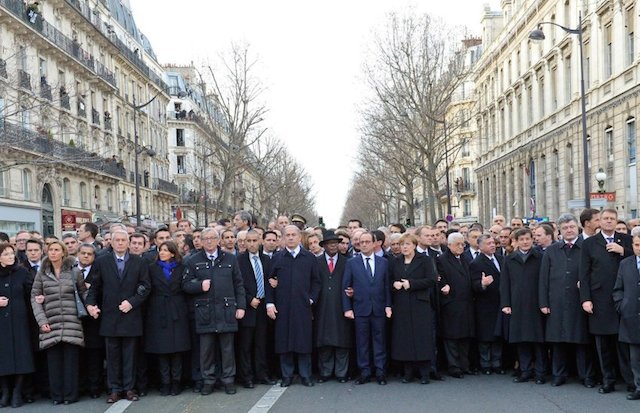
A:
[475,393]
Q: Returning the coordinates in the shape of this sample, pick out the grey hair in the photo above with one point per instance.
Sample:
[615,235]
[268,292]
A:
[482,238]
[565,218]
[87,245]
[69,235]
[396,236]
[454,236]
[208,230]
[244,216]
[635,231]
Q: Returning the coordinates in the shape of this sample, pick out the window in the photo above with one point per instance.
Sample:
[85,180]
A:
[26,184]
[541,96]
[97,195]
[66,192]
[24,117]
[631,140]
[554,83]
[608,141]
[4,183]
[42,69]
[181,164]
[629,33]
[529,105]
[589,152]
[466,205]
[83,195]
[568,74]
[608,51]
[109,200]
[587,65]
[1,111]
[567,13]
[179,137]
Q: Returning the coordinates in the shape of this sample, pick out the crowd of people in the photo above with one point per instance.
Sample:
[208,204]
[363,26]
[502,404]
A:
[239,304]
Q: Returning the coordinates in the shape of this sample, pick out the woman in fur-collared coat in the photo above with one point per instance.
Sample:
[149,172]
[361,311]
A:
[54,307]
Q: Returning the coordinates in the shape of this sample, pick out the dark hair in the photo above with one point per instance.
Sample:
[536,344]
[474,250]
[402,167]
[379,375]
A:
[399,226]
[172,247]
[4,237]
[92,228]
[587,215]
[521,232]
[5,245]
[264,235]
[137,235]
[199,229]
[356,220]
[378,235]
[223,221]
[440,220]
[548,229]
[159,230]
[188,241]
[35,241]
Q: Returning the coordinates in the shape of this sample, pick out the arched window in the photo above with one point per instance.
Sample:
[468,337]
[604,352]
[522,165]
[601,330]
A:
[66,192]
[97,198]
[109,200]
[26,184]
[83,195]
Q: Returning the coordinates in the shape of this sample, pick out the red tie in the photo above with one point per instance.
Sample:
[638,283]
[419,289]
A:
[331,265]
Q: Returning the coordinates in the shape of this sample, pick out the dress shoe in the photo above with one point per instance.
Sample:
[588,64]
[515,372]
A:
[558,381]
[499,370]
[323,379]
[142,392]
[424,380]
[267,381]
[362,380]
[197,387]
[472,372]
[175,388]
[132,396]
[16,398]
[589,383]
[606,388]
[113,398]
[407,379]
[207,389]
[248,385]
[631,388]
[28,398]
[522,379]
[486,372]
[68,402]
[56,402]
[540,380]
[307,382]
[230,389]
[457,374]
[286,382]
[382,380]
[342,380]
[165,389]
[634,396]
[434,375]
[218,385]
[94,395]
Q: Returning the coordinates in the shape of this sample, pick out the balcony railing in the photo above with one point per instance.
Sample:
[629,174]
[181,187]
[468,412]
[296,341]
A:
[64,99]
[55,36]
[107,123]
[3,68]
[16,136]
[165,186]
[82,112]
[107,30]
[95,117]
[45,90]
[24,79]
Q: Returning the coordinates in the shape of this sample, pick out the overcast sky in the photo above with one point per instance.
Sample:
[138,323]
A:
[311,56]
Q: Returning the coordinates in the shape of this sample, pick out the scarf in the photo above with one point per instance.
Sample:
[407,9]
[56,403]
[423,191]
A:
[167,267]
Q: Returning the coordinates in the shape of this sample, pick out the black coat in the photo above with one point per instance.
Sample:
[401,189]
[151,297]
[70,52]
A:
[626,296]
[107,286]
[598,272]
[332,328]
[90,325]
[251,287]
[16,355]
[489,317]
[215,310]
[519,290]
[559,291]
[412,322]
[166,328]
[298,283]
[456,308]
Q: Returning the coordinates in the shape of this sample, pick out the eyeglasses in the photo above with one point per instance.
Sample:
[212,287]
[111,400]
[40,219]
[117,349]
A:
[208,238]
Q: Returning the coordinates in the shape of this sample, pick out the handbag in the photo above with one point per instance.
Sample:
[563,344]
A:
[81,309]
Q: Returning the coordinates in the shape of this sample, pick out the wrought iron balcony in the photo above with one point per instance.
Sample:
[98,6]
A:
[95,117]
[45,90]
[3,68]
[24,79]
[165,186]
[107,123]
[16,136]
[64,99]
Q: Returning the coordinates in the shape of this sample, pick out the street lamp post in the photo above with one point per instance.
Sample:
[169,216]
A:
[137,152]
[538,34]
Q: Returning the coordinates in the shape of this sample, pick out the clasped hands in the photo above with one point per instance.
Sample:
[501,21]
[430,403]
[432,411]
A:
[402,283]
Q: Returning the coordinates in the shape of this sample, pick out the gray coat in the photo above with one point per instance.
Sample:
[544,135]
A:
[626,296]
[558,290]
[59,307]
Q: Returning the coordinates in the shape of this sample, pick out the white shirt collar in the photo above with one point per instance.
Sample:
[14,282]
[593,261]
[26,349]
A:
[295,251]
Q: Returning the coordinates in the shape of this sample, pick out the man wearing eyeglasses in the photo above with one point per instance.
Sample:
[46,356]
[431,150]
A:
[21,246]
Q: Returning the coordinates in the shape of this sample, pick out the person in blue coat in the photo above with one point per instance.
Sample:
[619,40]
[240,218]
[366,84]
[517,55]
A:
[368,276]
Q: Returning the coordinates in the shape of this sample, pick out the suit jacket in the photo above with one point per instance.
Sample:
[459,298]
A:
[489,317]
[626,296]
[251,286]
[468,256]
[370,294]
[134,286]
[456,308]
[598,271]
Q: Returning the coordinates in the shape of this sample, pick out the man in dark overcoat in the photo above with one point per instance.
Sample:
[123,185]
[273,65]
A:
[456,305]
[599,260]
[626,296]
[252,335]
[333,332]
[485,280]
[519,281]
[290,303]
[566,323]
[120,281]
[213,277]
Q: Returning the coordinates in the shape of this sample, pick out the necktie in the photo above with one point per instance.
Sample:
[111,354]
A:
[84,272]
[120,265]
[212,257]
[495,262]
[569,245]
[369,267]
[259,277]
[475,255]
[331,267]
[609,240]
[36,267]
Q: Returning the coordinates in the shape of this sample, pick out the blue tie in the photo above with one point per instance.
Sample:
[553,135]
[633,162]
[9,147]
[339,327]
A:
[609,240]
[259,277]
[369,267]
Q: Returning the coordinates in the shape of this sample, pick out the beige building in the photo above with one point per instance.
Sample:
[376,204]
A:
[70,75]
[529,112]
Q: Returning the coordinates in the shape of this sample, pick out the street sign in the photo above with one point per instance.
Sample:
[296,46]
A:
[576,203]
[449,218]
[607,196]
[598,203]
